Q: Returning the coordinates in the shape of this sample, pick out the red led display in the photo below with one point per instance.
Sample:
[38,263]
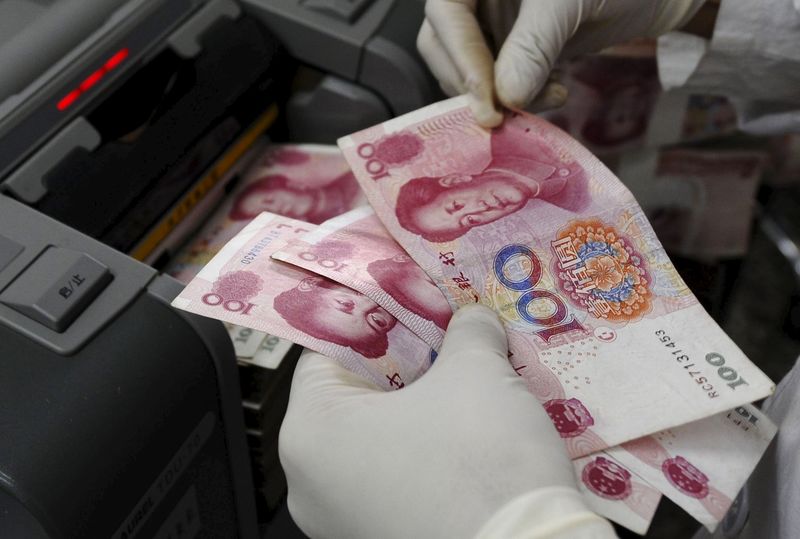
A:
[92,79]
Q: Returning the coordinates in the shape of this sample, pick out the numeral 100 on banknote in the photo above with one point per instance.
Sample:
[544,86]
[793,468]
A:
[561,321]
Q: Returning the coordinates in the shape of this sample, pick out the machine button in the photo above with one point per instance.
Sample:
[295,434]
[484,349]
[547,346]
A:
[57,287]
[344,10]
[9,250]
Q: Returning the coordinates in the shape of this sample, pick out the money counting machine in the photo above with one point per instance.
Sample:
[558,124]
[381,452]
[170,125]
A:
[122,124]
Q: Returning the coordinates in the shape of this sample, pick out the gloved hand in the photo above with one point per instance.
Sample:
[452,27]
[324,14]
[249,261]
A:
[438,458]
[528,36]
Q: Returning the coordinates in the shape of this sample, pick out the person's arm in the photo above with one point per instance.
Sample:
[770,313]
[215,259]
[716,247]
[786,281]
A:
[465,451]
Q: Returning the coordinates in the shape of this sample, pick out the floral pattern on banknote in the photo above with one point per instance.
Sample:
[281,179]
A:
[601,271]
[607,479]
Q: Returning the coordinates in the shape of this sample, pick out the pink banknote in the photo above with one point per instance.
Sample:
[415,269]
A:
[612,490]
[528,222]
[242,285]
[345,247]
[701,466]
[310,183]
[356,250]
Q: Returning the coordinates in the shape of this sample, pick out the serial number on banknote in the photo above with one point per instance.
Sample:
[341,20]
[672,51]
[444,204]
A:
[726,373]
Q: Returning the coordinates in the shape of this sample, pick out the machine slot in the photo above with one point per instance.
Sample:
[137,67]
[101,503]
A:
[156,143]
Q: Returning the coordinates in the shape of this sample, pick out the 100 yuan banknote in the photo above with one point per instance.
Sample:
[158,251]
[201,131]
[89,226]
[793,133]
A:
[307,182]
[242,285]
[525,220]
[701,466]
[356,250]
[691,472]
[346,247]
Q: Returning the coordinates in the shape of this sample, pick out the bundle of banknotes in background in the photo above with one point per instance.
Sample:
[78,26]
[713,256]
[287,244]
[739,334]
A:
[649,395]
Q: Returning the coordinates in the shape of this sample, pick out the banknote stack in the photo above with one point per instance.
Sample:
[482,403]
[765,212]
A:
[649,395]
[308,182]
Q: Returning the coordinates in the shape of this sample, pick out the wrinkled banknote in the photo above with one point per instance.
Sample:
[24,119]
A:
[242,285]
[701,466]
[526,221]
[310,183]
[621,483]
[355,249]
[349,249]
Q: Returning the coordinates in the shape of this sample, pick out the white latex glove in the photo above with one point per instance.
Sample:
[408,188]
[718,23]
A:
[463,449]
[528,36]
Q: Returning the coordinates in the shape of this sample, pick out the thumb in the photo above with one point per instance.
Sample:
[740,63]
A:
[532,47]
[474,337]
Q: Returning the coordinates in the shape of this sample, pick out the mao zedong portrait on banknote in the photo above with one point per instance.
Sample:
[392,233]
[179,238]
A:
[311,199]
[404,280]
[525,220]
[401,278]
[521,169]
[334,313]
